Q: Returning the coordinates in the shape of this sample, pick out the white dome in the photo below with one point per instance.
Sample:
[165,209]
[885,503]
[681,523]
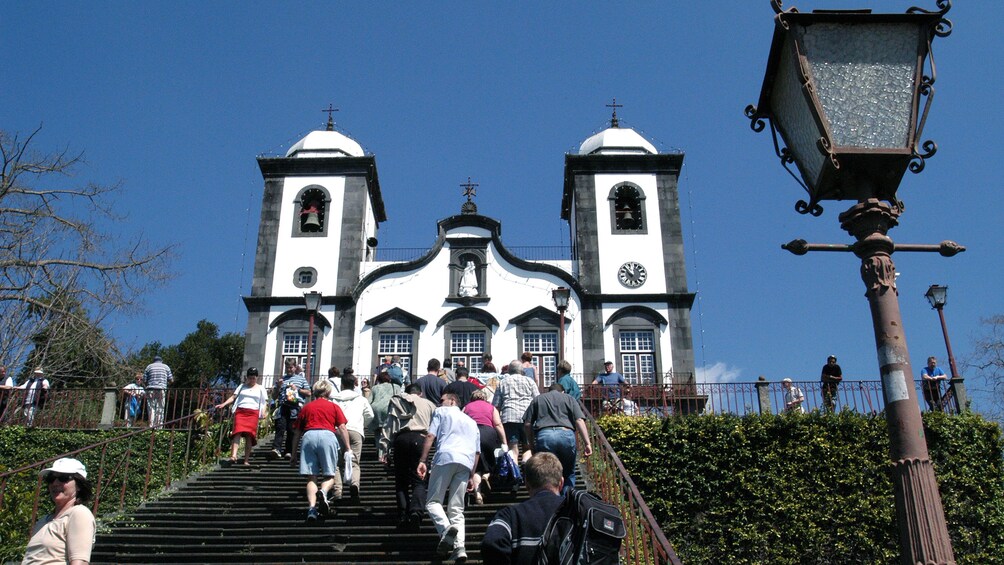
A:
[617,141]
[325,143]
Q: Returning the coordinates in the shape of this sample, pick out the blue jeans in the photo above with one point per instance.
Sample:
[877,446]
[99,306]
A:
[560,442]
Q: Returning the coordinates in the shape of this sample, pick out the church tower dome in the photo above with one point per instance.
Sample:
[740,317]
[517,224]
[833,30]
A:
[325,143]
[617,141]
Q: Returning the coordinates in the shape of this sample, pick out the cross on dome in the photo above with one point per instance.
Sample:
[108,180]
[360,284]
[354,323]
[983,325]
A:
[613,119]
[331,122]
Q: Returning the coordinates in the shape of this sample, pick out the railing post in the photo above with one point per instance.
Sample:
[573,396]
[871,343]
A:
[958,386]
[763,394]
[108,409]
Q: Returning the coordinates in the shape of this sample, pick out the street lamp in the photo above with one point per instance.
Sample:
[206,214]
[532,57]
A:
[938,296]
[844,90]
[560,296]
[312,300]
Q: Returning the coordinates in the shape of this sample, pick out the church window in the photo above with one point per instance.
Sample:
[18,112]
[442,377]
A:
[627,209]
[637,356]
[311,212]
[544,348]
[397,343]
[468,347]
[294,348]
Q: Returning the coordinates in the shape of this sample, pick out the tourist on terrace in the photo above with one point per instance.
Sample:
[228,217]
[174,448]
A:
[612,380]
[66,535]
[829,380]
[933,376]
[132,396]
[250,406]
[35,390]
[793,397]
[318,422]
[157,377]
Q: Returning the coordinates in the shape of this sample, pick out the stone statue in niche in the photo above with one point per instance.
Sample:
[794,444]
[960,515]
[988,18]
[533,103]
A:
[468,281]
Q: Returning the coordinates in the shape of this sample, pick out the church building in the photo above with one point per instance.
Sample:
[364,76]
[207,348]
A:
[468,295]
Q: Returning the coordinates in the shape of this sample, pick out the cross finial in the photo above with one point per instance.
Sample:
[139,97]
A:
[470,188]
[613,119]
[331,121]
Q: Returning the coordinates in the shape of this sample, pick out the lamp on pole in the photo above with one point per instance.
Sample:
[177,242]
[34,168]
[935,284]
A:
[937,295]
[844,91]
[560,296]
[312,300]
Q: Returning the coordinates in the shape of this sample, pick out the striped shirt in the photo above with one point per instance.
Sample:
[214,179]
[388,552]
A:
[513,397]
[157,375]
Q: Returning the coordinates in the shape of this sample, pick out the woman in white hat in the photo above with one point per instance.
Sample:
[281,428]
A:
[66,535]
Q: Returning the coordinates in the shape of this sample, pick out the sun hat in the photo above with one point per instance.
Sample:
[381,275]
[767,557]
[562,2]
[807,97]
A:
[785,380]
[66,466]
[38,371]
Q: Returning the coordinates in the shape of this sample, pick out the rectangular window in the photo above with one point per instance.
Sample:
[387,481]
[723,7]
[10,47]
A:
[294,348]
[399,344]
[469,348]
[544,347]
[637,349]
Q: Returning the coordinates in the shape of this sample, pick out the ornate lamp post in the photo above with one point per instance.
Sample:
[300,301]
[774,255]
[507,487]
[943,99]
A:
[560,296]
[312,300]
[844,91]
[938,296]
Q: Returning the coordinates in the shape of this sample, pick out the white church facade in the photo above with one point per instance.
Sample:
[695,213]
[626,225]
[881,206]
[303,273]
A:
[468,294]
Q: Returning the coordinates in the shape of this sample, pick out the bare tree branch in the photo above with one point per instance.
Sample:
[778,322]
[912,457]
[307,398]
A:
[59,274]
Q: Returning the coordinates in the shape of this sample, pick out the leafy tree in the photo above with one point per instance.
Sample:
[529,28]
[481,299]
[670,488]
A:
[203,356]
[57,269]
[988,362]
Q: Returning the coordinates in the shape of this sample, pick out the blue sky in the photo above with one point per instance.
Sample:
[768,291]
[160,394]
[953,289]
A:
[176,99]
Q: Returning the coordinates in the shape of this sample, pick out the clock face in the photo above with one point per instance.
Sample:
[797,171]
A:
[632,274]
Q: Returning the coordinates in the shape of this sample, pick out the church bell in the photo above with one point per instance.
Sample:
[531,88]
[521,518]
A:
[312,223]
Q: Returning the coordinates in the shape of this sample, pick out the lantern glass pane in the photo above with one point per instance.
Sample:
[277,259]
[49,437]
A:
[794,116]
[865,79]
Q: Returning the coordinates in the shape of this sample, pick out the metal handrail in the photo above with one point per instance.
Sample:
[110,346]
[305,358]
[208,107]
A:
[113,478]
[645,543]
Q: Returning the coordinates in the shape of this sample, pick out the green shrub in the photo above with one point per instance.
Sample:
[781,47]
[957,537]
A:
[121,486]
[799,489]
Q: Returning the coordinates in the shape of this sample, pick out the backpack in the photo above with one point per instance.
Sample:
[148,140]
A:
[507,475]
[583,530]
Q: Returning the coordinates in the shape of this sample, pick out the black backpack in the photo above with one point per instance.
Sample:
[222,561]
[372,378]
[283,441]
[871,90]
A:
[583,530]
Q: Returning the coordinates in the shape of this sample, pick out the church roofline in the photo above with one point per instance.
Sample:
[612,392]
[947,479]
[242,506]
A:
[668,163]
[327,166]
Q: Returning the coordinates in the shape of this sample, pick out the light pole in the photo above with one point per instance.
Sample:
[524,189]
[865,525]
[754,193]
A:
[560,296]
[843,90]
[312,300]
[938,296]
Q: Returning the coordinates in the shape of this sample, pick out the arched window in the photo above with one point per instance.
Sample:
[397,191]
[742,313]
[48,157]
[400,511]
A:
[311,212]
[627,209]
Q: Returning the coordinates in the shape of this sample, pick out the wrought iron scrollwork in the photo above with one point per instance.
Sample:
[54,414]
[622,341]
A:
[756,121]
[944,26]
[778,6]
[811,208]
[918,160]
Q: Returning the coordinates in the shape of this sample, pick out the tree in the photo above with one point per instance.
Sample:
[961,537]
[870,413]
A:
[988,361]
[203,356]
[57,269]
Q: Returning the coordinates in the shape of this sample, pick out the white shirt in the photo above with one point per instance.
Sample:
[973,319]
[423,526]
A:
[457,437]
[29,395]
[253,397]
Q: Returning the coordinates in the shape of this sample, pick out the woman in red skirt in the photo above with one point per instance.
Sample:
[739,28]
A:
[251,403]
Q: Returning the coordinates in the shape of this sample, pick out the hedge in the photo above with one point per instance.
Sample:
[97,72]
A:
[812,488]
[21,446]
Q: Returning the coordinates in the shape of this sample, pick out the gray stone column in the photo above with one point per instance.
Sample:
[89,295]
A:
[763,394]
[108,408]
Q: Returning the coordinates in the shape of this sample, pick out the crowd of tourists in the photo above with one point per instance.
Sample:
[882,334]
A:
[440,435]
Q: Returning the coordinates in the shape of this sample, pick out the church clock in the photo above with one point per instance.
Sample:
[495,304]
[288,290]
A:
[632,274]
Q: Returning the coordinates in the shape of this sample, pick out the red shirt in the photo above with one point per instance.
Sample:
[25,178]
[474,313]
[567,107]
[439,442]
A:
[320,414]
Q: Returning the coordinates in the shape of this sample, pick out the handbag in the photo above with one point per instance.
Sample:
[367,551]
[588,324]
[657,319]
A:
[233,407]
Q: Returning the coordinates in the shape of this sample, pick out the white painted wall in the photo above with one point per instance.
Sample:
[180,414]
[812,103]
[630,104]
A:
[616,249]
[321,253]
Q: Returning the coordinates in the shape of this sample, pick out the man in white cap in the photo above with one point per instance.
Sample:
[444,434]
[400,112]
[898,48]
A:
[158,376]
[35,390]
[793,397]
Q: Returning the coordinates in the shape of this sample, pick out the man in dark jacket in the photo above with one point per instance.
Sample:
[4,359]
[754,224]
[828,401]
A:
[514,533]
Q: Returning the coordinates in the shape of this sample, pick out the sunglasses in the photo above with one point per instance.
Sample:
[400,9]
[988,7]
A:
[61,477]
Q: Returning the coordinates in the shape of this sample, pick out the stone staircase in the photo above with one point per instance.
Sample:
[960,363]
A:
[256,514]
